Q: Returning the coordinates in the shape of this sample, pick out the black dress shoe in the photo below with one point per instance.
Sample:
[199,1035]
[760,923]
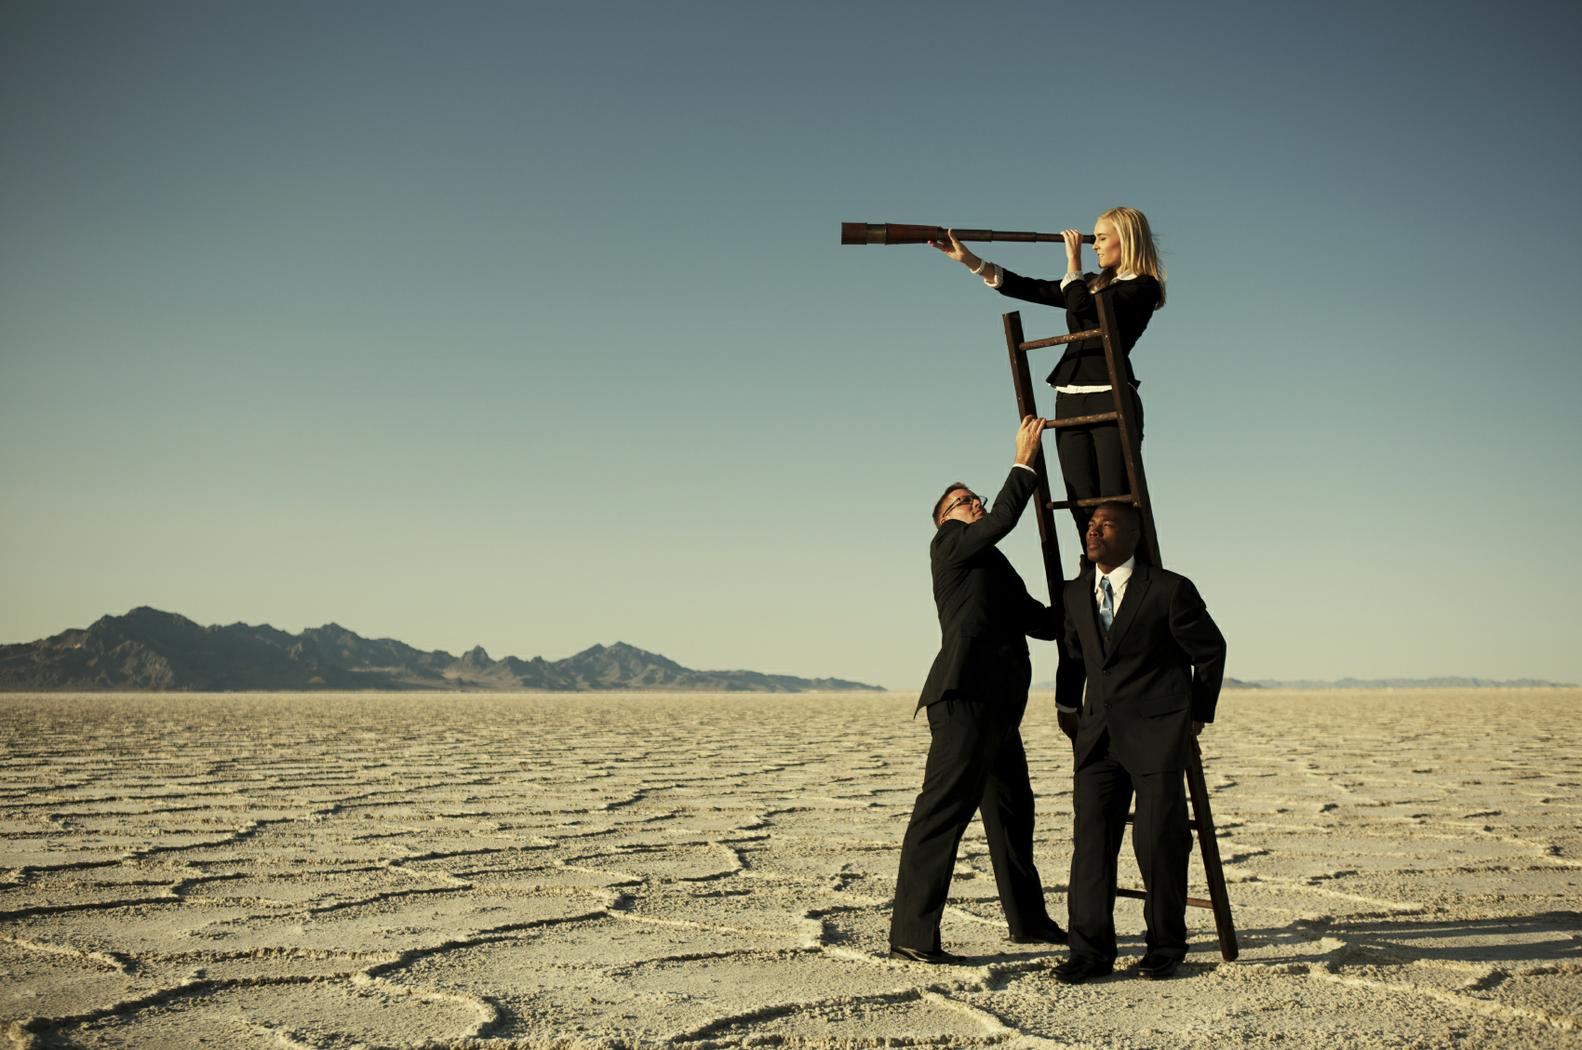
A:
[1157,967]
[1081,968]
[934,957]
[1049,933]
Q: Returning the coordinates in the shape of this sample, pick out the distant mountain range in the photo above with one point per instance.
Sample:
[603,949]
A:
[1381,683]
[1401,683]
[159,651]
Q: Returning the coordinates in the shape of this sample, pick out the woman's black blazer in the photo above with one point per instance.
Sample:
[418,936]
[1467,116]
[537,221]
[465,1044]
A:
[1083,362]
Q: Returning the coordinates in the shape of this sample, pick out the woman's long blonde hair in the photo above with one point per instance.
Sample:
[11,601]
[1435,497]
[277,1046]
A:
[1139,253]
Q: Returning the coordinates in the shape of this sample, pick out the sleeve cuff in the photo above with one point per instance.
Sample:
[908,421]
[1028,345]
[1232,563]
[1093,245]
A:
[1024,466]
[1063,709]
[1068,278]
[993,276]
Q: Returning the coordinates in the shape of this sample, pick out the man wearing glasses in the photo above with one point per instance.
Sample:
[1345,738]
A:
[975,695]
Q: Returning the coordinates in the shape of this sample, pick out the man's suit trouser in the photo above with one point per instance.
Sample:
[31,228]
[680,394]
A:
[1160,839]
[975,763]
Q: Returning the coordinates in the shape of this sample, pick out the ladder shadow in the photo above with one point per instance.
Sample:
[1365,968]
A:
[1543,937]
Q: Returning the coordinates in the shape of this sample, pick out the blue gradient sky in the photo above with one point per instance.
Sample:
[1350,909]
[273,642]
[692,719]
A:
[527,325]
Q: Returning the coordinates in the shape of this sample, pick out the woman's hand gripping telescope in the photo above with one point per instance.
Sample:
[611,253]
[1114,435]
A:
[956,250]
[951,246]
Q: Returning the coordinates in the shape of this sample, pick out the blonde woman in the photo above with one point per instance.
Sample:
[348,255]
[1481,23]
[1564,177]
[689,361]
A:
[1130,273]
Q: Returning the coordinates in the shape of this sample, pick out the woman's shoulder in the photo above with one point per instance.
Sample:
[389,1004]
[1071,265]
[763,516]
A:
[1143,287]
[1136,282]
[1139,292]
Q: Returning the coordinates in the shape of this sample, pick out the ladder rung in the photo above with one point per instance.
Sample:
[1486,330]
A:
[1039,344]
[1082,421]
[1131,818]
[1067,504]
[1139,895]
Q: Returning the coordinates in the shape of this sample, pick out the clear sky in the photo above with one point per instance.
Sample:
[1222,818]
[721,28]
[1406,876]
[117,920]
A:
[527,325]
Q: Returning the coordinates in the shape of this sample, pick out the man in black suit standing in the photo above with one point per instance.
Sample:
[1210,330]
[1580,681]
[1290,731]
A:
[975,695]
[1153,661]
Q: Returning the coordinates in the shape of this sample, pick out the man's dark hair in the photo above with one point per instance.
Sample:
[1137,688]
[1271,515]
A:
[939,504]
[1127,512]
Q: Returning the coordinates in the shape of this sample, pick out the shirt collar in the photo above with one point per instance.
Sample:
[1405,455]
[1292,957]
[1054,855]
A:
[1124,275]
[1118,576]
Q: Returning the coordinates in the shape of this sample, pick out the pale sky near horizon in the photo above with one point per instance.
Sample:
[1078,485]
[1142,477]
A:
[526,325]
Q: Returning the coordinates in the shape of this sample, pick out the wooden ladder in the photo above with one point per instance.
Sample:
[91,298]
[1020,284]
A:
[1202,820]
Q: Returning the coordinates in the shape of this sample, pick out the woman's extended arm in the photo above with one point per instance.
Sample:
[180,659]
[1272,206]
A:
[1033,290]
[959,252]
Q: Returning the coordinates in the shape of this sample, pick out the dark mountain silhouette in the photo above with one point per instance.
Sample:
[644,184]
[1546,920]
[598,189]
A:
[1408,683]
[159,651]
[1381,683]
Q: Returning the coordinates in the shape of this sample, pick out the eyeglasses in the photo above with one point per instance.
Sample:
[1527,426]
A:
[959,500]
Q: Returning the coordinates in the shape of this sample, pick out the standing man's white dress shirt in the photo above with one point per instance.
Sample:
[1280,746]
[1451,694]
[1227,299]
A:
[1119,577]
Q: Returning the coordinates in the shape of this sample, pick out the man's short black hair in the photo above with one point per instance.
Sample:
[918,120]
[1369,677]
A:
[939,504]
[1126,512]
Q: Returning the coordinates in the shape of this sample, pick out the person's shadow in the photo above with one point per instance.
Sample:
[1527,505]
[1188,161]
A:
[1546,937]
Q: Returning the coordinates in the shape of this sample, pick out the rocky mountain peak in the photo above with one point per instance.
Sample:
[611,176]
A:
[154,650]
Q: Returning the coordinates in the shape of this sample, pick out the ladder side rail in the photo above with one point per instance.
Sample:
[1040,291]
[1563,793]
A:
[1213,869]
[1022,376]
[1130,446]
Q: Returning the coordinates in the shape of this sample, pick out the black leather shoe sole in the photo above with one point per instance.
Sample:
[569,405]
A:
[1075,971]
[1051,934]
[919,955]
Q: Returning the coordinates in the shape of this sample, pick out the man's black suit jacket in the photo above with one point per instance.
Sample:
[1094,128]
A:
[1156,672]
[985,612]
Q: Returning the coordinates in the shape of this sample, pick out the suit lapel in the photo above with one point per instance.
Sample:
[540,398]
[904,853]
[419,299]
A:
[1136,591]
[1087,618]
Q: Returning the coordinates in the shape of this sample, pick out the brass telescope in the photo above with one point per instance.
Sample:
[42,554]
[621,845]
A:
[901,233]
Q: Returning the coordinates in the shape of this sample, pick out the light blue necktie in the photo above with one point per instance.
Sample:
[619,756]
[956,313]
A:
[1107,606]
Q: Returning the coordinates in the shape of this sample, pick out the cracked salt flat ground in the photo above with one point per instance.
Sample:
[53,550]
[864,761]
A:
[515,871]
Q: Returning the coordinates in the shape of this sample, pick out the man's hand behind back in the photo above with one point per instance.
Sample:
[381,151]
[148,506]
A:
[1068,723]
